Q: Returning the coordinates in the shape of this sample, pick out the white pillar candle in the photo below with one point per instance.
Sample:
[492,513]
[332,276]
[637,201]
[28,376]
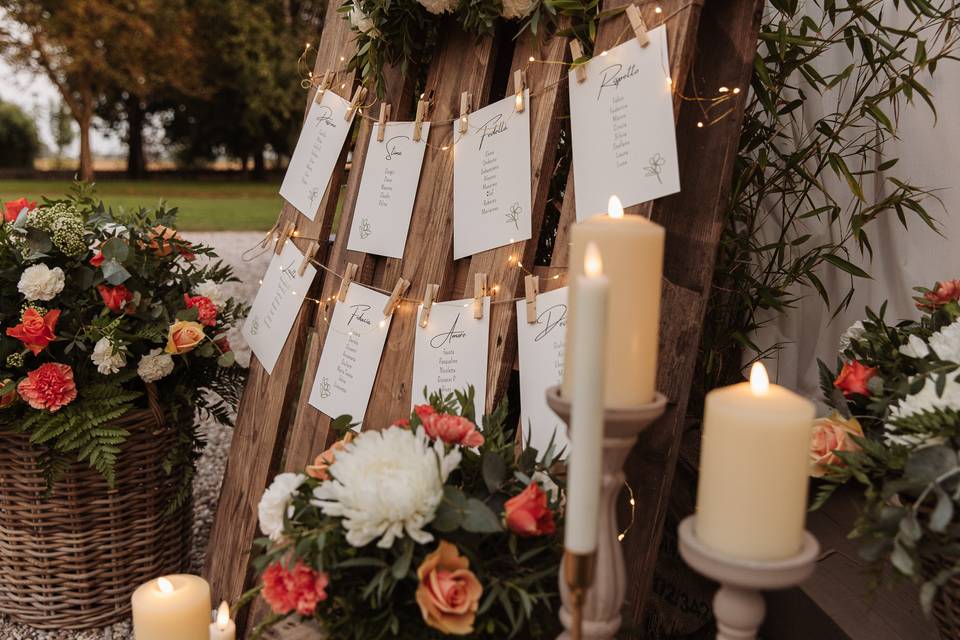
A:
[752,496]
[584,466]
[175,606]
[632,249]
[223,628]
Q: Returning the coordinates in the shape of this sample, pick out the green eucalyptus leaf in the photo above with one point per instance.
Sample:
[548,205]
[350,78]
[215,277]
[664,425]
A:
[494,471]
[115,273]
[479,518]
[942,513]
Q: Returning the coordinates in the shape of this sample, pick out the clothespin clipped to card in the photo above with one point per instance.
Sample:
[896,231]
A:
[267,238]
[465,99]
[382,121]
[418,123]
[429,296]
[479,291]
[531,286]
[308,257]
[288,230]
[358,97]
[519,84]
[398,290]
[324,85]
[580,71]
[348,275]
[639,28]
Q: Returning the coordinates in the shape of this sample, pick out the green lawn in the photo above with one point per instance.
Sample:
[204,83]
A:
[203,206]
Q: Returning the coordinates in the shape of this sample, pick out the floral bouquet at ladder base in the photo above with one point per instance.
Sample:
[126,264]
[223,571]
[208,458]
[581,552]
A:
[96,304]
[427,529]
[896,430]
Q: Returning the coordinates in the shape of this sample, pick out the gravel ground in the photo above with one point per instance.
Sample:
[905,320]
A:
[230,245]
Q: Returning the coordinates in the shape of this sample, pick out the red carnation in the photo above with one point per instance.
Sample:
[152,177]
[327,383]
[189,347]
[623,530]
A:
[49,386]
[13,208]
[528,513]
[853,378]
[299,590]
[206,310]
[36,330]
[116,298]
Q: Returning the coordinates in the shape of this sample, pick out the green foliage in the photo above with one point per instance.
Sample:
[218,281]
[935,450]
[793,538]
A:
[18,137]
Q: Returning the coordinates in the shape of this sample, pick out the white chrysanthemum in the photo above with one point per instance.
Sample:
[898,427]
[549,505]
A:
[363,22]
[924,400]
[108,357]
[213,291]
[40,282]
[386,484]
[517,8]
[155,365]
[275,503]
[915,348]
[854,332]
[946,342]
[439,6]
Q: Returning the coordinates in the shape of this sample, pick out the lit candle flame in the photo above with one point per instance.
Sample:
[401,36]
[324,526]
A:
[592,262]
[759,380]
[223,616]
[164,585]
[614,207]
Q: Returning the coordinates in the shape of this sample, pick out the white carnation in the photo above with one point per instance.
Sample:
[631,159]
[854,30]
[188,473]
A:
[854,332]
[40,282]
[108,357]
[275,503]
[386,484]
[155,365]
[439,6]
[517,8]
[213,291]
[363,22]
[915,348]
[946,342]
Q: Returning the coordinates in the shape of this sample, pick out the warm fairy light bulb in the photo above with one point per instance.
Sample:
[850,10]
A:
[223,616]
[532,59]
[658,10]
[592,262]
[342,58]
[444,147]
[164,585]
[308,45]
[759,380]
[723,89]
[383,323]
[699,125]
[620,537]
[614,207]
[736,89]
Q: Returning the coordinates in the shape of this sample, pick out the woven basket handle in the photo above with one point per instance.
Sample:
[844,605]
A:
[153,400]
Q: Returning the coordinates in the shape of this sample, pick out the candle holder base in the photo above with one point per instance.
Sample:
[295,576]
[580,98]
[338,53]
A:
[738,605]
[602,601]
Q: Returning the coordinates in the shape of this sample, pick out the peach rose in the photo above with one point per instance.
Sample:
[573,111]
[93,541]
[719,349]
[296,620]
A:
[853,378]
[449,593]
[164,241]
[831,434]
[184,336]
[323,461]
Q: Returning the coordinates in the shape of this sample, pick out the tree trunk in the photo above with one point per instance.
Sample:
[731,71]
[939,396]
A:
[259,166]
[136,159]
[85,120]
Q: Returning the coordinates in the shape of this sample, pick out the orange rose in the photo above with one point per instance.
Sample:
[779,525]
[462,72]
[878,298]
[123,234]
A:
[853,378]
[323,461]
[184,336]
[449,593]
[528,513]
[36,331]
[831,434]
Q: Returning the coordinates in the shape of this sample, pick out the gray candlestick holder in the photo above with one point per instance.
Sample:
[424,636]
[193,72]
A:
[738,606]
[597,608]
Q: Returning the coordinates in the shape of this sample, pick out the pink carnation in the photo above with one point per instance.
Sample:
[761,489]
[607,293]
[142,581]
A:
[49,386]
[451,429]
[299,590]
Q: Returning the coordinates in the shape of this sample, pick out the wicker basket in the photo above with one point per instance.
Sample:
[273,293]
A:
[71,557]
[946,608]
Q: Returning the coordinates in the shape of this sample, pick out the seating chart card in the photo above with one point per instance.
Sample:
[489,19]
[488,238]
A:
[351,354]
[391,173]
[541,347]
[621,121]
[491,179]
[318,148]
[450,353]
[277,304]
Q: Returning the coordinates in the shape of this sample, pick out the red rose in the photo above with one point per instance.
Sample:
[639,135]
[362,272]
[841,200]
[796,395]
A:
[97,259]
[528,513]
[116,298]
[49,386]
[207,311]
[299,590]
[943,292]
[854,377]
[452,429]
[13,208]
[36,331]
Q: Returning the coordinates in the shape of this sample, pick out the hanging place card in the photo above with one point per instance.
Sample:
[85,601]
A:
[318,148]
[621,121]
[541,347]
[491,179]
[351,354]
[277,304]
[391,173]
[450,353]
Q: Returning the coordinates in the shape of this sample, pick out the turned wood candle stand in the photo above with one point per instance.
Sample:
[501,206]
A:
[603,600]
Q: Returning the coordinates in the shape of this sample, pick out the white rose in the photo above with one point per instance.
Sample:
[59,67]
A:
[213,291]
[439,6]
[155,366]
[108,357]
[275,502]
[363,22]
[516,8]
[40,282]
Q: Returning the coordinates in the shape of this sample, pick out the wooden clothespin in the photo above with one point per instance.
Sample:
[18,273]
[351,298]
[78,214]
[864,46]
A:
[348,275]
[398,290]
[577,52]
[418,123]
[288,230]
[324,85]
[358,97]
[465,99]
[382,121]
[531,286]
[428,298]
[308,257]
[639,28]
[267,238]
[479,291]
[519,83]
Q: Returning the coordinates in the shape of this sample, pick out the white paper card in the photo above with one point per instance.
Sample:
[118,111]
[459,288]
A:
[541,348]
[621,119]
[388,187]
[491,179]
[450,353]
[351,354]
[277,304]
[318,148]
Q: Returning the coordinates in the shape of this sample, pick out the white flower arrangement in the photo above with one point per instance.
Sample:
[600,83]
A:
[108,356]
[41,283]
[155,365]
[276,501]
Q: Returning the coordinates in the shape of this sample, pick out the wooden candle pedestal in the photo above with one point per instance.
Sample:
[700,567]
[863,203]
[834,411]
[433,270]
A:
[738,606]
[604,599]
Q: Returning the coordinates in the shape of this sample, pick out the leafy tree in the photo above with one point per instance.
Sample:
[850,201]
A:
[18,137]
[61,125]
